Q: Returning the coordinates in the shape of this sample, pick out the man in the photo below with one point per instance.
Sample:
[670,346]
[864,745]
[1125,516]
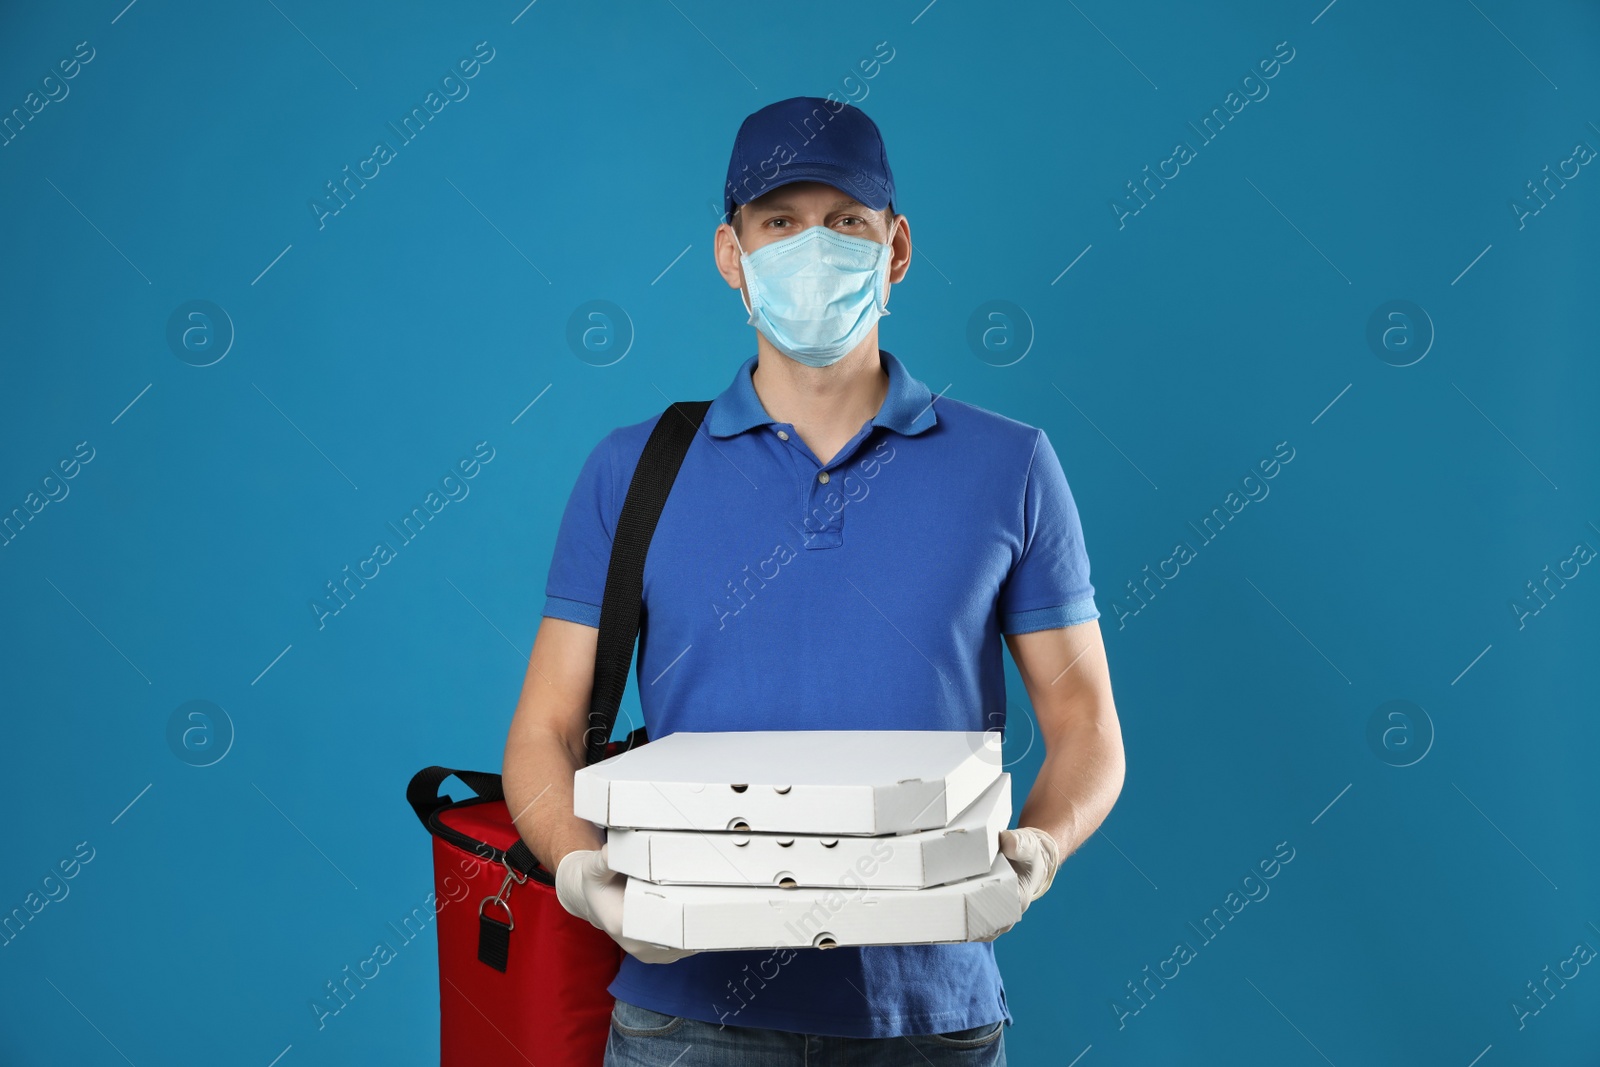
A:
[841,550]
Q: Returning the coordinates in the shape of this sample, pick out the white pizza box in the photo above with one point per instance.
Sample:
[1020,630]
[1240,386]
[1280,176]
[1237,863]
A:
[709,917]
[791,781]
[922,858]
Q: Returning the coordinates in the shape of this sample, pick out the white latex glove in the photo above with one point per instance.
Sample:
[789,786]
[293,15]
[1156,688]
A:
[1034,855]
[588,888]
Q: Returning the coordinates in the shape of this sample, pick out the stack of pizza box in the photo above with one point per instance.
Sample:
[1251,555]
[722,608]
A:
[794,838]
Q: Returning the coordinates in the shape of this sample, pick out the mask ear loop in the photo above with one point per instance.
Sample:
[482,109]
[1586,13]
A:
[890,245]
[743,257]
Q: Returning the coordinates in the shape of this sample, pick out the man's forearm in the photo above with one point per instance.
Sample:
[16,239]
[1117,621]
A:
[537,778]
[1077,784]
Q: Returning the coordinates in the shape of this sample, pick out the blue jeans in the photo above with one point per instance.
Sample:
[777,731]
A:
[644,1038]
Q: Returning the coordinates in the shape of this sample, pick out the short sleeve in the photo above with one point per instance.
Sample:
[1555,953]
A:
[582,554]
[1048,585]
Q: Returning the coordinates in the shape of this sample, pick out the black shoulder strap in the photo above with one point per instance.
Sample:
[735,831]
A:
[619,612]
[619,629]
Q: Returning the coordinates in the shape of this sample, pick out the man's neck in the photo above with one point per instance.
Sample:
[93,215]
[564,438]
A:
[826,405]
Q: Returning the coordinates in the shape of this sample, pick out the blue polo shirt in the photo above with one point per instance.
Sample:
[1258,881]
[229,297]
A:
[868,593]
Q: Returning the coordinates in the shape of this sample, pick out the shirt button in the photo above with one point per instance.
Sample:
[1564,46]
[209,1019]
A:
[823,477]
[782,436]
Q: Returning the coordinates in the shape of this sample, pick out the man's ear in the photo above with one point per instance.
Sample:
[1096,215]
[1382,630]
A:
[725,252]
[900,240]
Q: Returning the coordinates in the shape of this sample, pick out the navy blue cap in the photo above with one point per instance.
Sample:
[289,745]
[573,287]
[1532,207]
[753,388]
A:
[809,139]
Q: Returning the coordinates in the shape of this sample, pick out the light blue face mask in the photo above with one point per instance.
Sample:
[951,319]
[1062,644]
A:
[817,294]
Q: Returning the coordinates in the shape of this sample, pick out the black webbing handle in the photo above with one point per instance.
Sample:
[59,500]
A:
[623,600]
[423,794]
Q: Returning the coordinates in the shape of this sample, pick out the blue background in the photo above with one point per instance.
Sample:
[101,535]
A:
[371,352]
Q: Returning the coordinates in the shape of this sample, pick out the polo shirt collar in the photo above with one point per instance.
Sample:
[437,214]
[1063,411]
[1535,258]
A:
[907,407]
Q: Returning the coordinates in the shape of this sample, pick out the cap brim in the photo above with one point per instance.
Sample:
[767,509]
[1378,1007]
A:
[852,182]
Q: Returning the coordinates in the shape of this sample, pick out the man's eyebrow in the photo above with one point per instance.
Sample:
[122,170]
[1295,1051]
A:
[784,205]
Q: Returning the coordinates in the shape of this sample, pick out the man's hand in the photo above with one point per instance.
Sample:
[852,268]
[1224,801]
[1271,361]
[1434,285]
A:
[1034,855]
[588,888]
